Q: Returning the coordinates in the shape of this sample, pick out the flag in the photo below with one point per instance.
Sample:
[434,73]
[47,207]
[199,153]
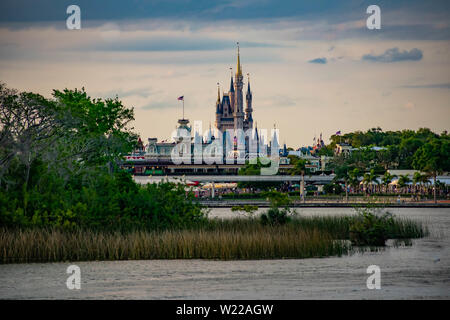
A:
[181,98]
[338,133]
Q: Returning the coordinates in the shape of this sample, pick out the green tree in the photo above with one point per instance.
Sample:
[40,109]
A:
[97,131]
[254,169]
[343,174]
[433,158]
[403,181]
[354,177]
[387,179]
[370,178]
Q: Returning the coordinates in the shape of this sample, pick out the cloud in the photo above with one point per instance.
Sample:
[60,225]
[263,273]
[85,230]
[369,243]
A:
[121,93]
[159,105]
[395,55]
[174,43]
[428,86]
[318,60]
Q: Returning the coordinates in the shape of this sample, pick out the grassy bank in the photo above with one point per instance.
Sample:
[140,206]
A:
[302,237]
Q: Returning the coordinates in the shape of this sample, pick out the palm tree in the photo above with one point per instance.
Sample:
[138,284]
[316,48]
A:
[419,178]
[370,178]
[354,177]
[343,174]
[403,181]
[387,179]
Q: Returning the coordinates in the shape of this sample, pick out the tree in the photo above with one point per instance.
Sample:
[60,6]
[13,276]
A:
[28,127]
[300,169]
[387,179]
[433,158]
[354,177]
[343,174]
[97,129]
[420,179]
[254,169]
[403,180]
[370,178]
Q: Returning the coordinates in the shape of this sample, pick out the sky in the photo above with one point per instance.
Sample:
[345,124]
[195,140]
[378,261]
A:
[314,66]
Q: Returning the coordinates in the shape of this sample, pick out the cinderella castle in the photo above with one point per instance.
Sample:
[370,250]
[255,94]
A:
[231,117]
[230,109]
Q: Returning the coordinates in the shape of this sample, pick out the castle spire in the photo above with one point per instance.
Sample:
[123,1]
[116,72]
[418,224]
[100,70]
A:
[231,83]
[218,93]
[239,69]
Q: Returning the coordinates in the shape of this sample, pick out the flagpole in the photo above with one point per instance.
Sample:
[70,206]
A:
[183,108]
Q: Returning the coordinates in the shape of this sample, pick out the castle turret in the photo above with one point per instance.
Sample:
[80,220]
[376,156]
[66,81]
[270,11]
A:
[249,110]
[231,92]
[238,113]
[219,110]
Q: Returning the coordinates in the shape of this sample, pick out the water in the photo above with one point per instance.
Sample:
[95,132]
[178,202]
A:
[420,271]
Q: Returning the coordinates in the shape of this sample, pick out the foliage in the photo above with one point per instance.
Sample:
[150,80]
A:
[419,178]
[299,166]
[333,188]
[433,157]
[403,180]
[275,215]
[370,228]
[398,148]
[236,238]
[277,199]
[254,169]
[370,178]
[387,178]
[58,167]
[108,202]
[247,209]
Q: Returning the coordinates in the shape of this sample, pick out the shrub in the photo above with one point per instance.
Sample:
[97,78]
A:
[332,188]
[275,216]
[370,228]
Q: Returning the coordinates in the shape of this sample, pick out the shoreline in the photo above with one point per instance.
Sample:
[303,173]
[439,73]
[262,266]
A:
[295,204]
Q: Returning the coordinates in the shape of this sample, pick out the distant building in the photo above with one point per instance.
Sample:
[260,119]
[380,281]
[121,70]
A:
[318,144]
[343,149]
[346,149]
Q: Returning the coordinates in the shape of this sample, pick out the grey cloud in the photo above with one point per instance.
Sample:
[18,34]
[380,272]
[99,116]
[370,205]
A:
[428,86]
[318,60]
[175,44]
[395,55]
[159,105]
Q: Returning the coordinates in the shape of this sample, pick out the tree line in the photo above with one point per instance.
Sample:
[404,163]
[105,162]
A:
[59,165]
[421,150]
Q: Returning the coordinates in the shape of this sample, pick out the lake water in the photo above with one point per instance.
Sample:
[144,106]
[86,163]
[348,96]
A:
[420,271]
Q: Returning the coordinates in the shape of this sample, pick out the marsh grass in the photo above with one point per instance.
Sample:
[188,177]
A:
[223,239]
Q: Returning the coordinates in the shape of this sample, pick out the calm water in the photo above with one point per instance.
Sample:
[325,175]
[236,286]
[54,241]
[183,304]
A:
[421,271]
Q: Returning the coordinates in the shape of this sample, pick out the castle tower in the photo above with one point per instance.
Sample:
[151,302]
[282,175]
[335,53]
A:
[238,113]
[218,108]
[249,110]
[231,92]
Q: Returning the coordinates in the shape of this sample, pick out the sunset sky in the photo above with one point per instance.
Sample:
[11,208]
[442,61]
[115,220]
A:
[314,66]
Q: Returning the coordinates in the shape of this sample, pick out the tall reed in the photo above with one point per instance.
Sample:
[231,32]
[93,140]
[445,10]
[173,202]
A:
[225,239]
[51,245]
